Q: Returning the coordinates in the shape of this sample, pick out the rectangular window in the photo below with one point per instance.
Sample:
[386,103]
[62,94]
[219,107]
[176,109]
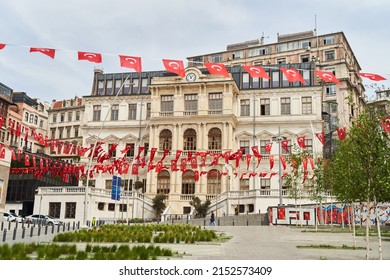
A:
[245,80]
[167,103]
[244,185]
[135,85]
[148,110]
[215,103]
[306,105]
[330,55]
[122,207]
[305,58]
[275,79]
[285,106]
[309,145]
[54,118]
[70,116]
[76,131]
[245,107]
[77,116]
[41,123]
[329,40]
[55,209]
[306,76]
[68,131]
[96,113]
[265,107]
[130,152]
[114,112]
[216,58]
[62,117]
[266,81]
[109,90]
[70,210]
[144,85]
[109,184]
[190,104]
[53,133]
[100,88]
[265,183]
[255,82]
[238,55]
[244,145]
[330,90]
[118,84]
[132,111]
[60,132]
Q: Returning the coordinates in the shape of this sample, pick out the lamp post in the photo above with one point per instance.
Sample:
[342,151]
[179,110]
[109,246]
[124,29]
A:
[85,217]
[279,139]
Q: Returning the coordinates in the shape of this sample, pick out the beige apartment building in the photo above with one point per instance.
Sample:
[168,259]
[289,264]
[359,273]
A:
[202,116]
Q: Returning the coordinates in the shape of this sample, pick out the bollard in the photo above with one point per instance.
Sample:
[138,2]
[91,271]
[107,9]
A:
[39,231]
[58,228]
[68,226]
[204,223]
[31,231]
[52,229]
[78,225]
[218,222]
[74,225]
[9,225]
[46,229]
[233,221]
[63,227]
[247,222]
[2,226]
[14,234]
[4,235]
[16,224]
[23,232]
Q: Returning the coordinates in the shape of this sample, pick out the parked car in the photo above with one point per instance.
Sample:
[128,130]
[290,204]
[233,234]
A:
[43,219]
[12,217]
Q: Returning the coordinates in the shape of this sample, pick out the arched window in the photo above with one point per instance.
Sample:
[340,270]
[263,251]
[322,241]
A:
[163,182]
[213,181]
[165,139]
[215,139]
[188,182]
[189,140]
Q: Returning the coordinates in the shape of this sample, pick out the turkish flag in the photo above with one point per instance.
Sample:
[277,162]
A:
[194,163]
[283,161]
[321,137]
[174,165]
[196,175]
[327,76]
[292,75]
[271,161]
[215,159]
[285,145]
[342,133]
[159,167]
[178,153]
[26,159]
[217,69]
[386,124]
[133,62]
[268,147]
[92,57]
[256,71]
[373,77]
[152,153]
[301,142]
[1,121]
[304,163]
[2,46]
[2,152]
[49,52]
[183,165]
[248,160]
[174,66]
[134,169]
[263,174]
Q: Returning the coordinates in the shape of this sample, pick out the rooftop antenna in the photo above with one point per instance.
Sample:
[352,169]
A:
[316,33]
[262,38]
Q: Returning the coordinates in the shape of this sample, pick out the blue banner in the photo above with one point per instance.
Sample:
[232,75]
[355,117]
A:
[116,188]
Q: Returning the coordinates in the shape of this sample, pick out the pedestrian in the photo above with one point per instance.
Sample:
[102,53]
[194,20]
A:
[212,219]
[94,221]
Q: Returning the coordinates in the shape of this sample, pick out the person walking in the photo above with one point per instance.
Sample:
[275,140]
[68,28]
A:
[212,219]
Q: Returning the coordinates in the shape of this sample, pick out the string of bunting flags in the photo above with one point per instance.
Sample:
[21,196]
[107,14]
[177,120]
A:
[177,66]
[40,166]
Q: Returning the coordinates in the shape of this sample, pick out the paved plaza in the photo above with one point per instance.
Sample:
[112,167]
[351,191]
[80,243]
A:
[279,243]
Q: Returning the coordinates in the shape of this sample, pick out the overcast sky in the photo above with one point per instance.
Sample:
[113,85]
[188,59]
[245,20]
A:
[173,29]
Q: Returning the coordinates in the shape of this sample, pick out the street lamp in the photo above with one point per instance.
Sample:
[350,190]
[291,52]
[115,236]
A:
[279,139]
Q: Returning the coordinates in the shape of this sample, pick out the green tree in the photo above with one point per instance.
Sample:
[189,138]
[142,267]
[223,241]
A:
[361,165]
[159,205]
[200,208]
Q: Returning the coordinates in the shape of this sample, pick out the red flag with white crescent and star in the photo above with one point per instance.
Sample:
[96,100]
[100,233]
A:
[217,69]
[174,66]
[386,124]
[301,141]
[342,133]
[256,71]
[292,75]
[327,76]
[92,57]
[133,62]
[49,52]
[2,46]
[373,77]
[321,137]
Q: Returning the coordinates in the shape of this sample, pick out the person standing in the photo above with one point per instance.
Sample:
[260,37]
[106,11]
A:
[212,219]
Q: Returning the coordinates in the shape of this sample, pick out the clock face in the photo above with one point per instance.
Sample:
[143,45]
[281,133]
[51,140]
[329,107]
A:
[191,77]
